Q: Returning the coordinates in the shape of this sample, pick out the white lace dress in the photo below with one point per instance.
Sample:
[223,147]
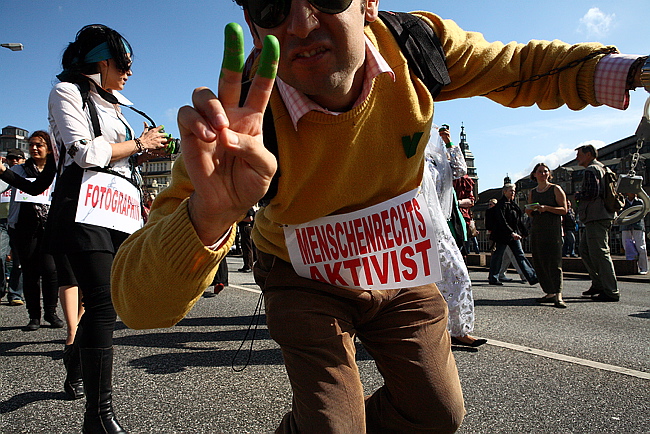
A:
[442,165]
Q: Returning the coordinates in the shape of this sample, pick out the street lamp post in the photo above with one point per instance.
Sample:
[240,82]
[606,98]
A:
[13,46]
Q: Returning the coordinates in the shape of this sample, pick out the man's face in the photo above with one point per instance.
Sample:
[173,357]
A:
[583,158]
[322,54]
[510,193]
[12,161]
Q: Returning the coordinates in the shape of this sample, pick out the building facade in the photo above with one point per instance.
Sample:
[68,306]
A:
[157,173]
[12,138]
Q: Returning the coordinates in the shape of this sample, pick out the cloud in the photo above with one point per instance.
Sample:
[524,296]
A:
[596,23]
[170,114]
[561,156]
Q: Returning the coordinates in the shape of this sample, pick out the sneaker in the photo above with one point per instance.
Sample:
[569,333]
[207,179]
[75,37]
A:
[245,270]
[16,302]
[504,279]
[34,324]
[218,288]
[54,320]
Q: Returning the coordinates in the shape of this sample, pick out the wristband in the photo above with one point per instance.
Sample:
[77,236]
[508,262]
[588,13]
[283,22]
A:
[449,145]
[645,74]
[139,145]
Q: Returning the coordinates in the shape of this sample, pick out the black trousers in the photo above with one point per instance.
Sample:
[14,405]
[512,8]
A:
[247,245]
[39,271]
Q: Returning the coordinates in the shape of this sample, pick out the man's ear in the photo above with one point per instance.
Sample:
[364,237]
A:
[372,10]
[257,41]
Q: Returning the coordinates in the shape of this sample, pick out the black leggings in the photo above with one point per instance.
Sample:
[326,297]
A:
[93,273]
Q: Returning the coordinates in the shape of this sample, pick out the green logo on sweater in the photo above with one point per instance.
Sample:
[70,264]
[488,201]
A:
[411,144]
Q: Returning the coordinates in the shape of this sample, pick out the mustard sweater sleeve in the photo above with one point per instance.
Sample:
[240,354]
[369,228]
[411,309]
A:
[477,67]
[161,271]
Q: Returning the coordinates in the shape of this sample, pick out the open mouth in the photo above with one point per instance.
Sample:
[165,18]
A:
[311,53]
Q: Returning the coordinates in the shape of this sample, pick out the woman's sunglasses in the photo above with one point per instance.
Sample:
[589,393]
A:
[271,13]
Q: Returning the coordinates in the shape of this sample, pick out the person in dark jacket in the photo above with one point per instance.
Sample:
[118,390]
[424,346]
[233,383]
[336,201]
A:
[507,231]
[27,217]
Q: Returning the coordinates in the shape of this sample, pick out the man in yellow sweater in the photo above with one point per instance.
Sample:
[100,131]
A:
[344,246]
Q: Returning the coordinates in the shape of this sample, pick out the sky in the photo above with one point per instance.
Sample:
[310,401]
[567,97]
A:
[178,46]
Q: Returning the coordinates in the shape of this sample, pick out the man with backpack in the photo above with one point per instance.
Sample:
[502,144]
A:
[597,215]
[352,118]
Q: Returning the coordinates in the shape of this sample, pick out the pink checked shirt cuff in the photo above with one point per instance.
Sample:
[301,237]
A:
[610,80]
[221,241]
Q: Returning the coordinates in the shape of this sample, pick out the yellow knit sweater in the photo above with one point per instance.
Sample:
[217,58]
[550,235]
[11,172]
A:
[336,164]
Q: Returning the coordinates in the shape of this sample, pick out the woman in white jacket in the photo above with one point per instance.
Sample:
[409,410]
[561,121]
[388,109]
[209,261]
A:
[97,147]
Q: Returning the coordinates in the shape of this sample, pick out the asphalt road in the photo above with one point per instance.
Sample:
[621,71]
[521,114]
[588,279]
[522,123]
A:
[585,369]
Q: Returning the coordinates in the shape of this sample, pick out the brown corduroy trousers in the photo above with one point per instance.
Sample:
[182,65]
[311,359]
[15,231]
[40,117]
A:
[404,330]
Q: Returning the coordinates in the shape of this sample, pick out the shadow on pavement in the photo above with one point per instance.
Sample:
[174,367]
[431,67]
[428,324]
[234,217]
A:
[18,401]
[171,363]
[644,315]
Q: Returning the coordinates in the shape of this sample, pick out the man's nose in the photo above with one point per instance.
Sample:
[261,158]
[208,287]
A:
[302,19]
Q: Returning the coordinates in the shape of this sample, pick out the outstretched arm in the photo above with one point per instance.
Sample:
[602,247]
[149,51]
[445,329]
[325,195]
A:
[35,187]
[162,269]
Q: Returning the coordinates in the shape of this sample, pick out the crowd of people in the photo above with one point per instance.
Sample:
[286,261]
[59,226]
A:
[553,225]
[340,74]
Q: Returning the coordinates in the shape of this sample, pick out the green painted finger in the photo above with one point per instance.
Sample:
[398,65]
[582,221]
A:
[233,55]
[269,58]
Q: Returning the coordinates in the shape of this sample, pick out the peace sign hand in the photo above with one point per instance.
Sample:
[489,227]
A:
[222,146]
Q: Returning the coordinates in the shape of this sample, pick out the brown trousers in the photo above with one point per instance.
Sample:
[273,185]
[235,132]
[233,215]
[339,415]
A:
[404,330]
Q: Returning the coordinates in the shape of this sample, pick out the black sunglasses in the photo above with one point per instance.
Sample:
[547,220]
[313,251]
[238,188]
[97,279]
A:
[271,13]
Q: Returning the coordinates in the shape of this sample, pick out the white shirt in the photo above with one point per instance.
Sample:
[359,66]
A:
[70,125]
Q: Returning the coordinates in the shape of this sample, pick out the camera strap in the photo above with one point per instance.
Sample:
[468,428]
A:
[106,96]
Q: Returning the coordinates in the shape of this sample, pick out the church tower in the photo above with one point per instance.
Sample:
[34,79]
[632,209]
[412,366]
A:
[469,159]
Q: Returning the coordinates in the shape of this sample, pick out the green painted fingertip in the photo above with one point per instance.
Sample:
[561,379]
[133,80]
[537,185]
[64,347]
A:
[233,54]
[269,58]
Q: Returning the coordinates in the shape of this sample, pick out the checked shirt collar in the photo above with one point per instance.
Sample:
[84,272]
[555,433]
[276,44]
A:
[298,104]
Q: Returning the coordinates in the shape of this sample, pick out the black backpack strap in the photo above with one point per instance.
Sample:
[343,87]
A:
[425,56]
[84,87]
[421,47]
[270,143]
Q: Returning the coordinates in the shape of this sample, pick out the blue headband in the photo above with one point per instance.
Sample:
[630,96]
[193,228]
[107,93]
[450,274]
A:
[102,52]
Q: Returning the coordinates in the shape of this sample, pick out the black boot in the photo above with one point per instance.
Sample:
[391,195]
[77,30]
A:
[73,384]
[97,371]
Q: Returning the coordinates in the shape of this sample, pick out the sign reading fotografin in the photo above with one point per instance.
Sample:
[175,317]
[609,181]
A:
[109,201]
[386,246]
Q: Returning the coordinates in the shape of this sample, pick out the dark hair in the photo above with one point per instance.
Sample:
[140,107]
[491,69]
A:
[588,149]
[87,38]
[537,166]
[43,135]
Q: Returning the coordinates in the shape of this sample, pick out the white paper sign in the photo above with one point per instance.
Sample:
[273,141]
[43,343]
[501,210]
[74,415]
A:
[5,196]
[109,201]
[44,198]
[386,246]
